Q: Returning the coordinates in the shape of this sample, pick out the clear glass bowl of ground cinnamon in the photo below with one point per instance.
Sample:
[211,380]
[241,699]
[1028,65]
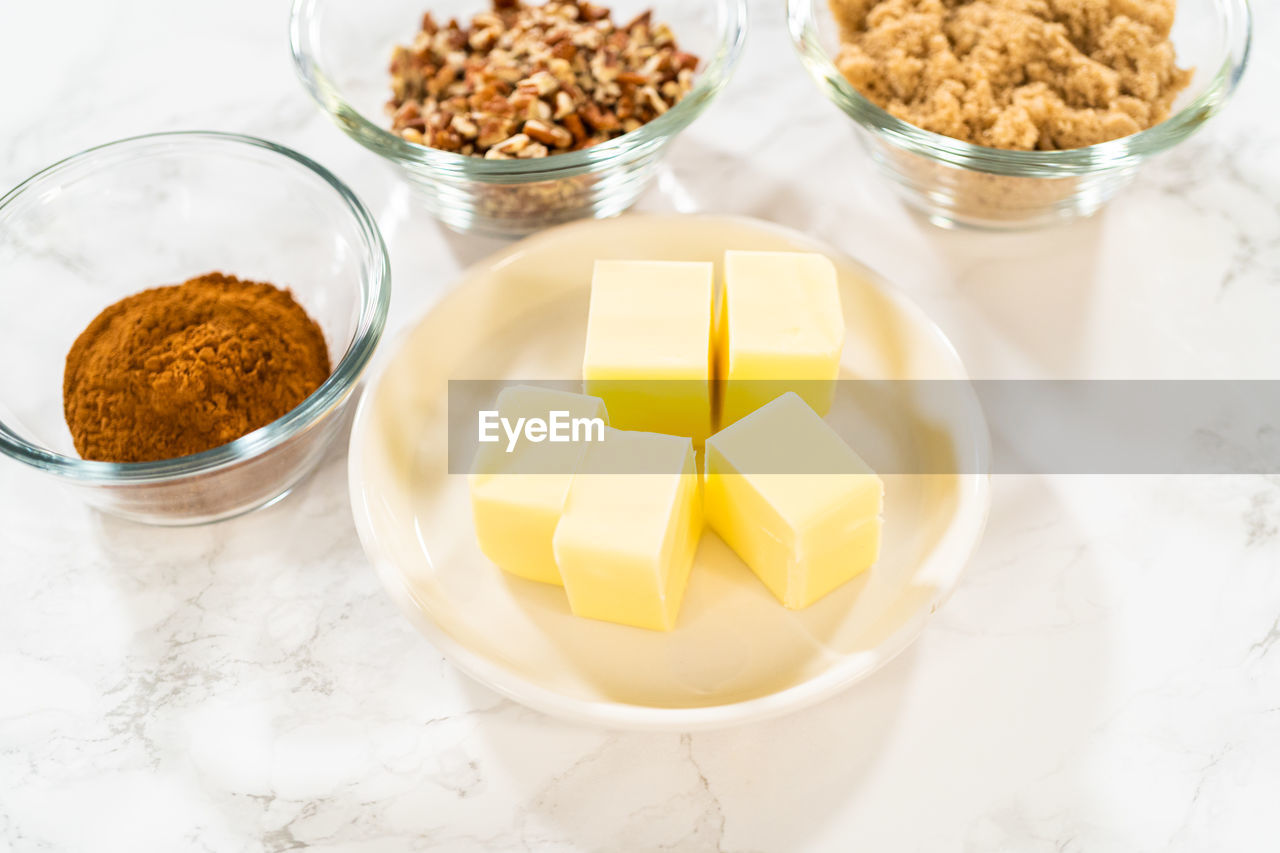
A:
[1020,113]
[157,389]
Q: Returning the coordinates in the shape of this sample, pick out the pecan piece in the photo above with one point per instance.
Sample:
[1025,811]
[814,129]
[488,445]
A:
[550,134]
[575,127]
[599,119]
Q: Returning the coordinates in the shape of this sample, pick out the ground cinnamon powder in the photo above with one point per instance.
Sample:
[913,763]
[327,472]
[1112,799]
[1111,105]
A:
[181,369]
[1014,74]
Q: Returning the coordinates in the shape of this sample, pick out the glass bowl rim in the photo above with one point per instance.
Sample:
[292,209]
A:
[709,82]
[1115,153]
[375,300]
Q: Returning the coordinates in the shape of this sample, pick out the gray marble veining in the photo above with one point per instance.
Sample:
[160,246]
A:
[1105,679]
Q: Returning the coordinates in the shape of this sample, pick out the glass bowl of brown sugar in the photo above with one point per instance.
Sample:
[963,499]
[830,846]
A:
[1040,117]
[179,430]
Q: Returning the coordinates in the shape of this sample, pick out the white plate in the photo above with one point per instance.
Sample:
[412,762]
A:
[736,654]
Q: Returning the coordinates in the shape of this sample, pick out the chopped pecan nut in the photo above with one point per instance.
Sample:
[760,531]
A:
[512,144]
[641,20]
[575,127]
[409,116]
[564,105]
[599,119]
[682,61]
[492,130]
[532,150]
[465,127]
[541,82]
[551,134]
[654,99]
[530,80]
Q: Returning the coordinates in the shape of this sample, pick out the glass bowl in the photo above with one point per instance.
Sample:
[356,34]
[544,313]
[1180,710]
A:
[342,48]
[161,209]
[954,182]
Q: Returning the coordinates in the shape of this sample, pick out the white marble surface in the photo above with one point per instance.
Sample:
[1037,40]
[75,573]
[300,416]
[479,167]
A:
[1107,678]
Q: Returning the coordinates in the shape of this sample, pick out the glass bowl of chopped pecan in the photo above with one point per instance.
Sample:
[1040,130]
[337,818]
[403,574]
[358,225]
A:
[1002,115]
[510,116]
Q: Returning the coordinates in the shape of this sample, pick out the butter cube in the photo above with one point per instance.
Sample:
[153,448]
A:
[517,497]
[630,528]
[780,329]
[648,353]
[793,500]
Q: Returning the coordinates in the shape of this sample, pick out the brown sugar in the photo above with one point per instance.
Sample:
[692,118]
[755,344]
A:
[1014,74]
[181,369]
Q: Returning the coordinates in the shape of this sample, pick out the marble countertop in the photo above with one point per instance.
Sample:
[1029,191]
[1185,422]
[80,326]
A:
[1106,678]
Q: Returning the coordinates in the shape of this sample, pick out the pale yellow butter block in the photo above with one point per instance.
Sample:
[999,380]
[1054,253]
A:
[648,352]
[798,505]
[626,541]
[780,329]
[517,497]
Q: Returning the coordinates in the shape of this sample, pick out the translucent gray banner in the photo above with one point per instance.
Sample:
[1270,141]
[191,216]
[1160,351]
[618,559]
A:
[1127,427]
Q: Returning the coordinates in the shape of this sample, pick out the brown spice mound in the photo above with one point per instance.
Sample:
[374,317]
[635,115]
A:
[181,369]
[1015,74]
